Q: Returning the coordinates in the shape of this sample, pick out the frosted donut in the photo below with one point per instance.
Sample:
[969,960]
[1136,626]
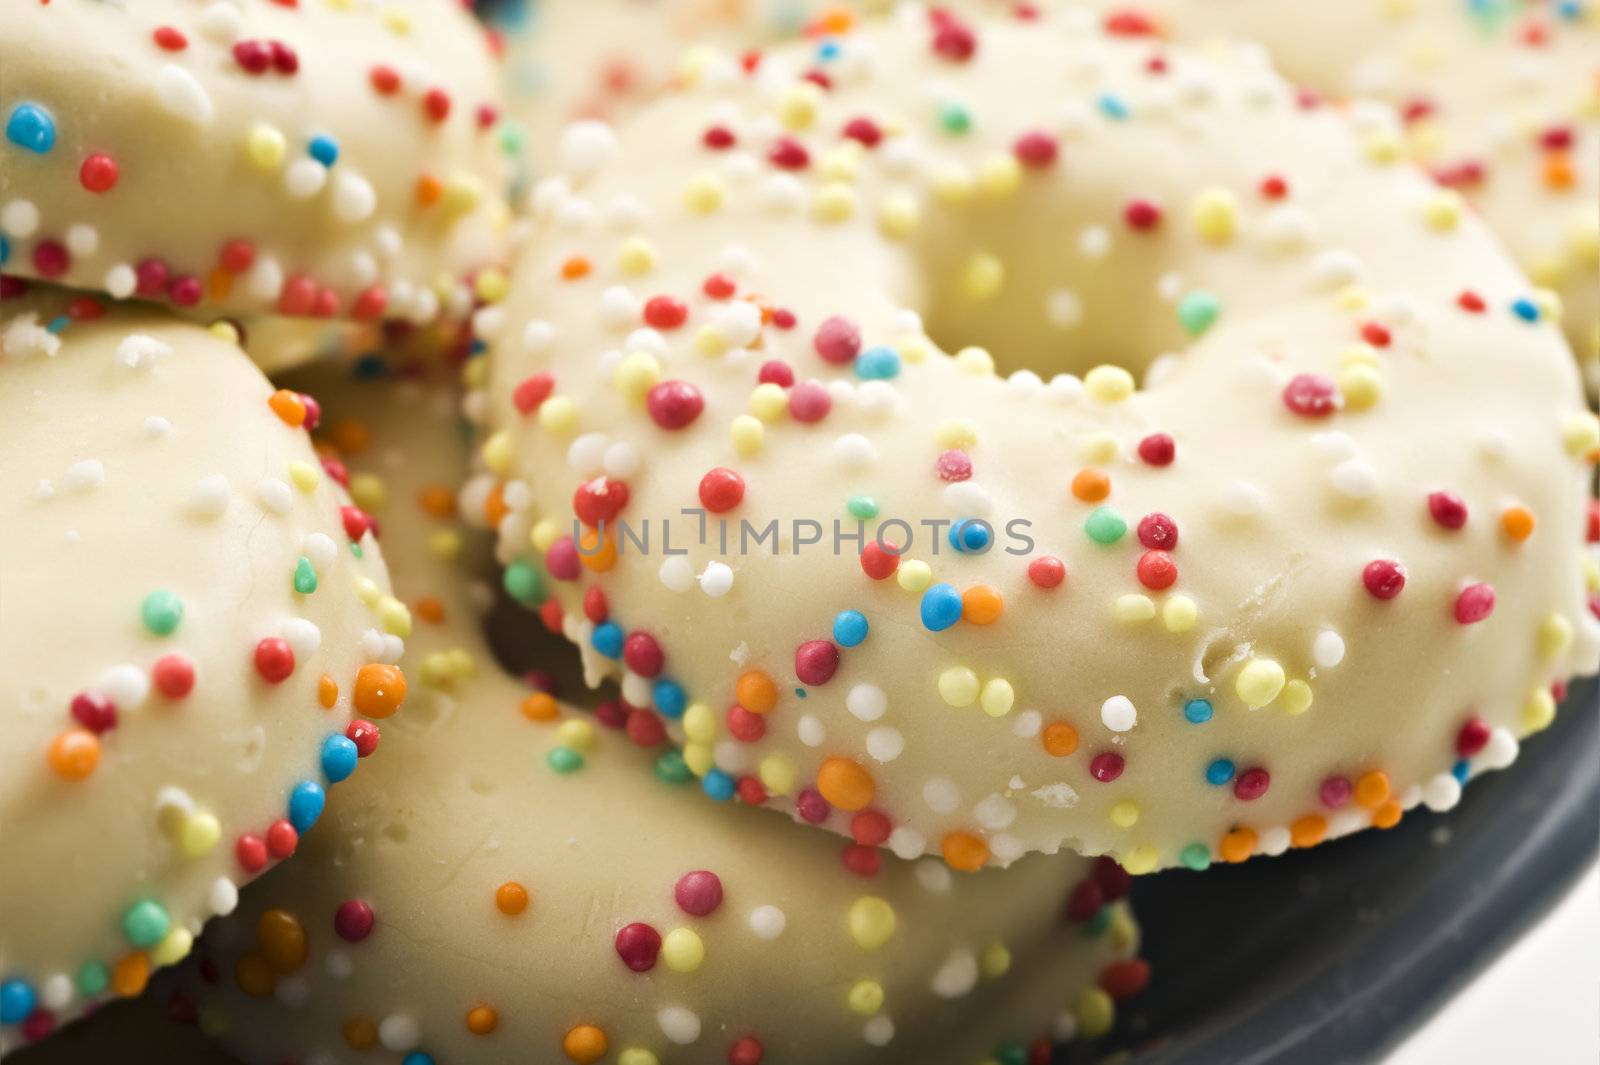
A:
[1500,101]
[189,630]
[1365,449]
[331,160]
[510,881]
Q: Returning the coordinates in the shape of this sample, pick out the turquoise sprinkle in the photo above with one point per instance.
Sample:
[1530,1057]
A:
[146,923]
[1198,711]
[1097,925]
[161,612]
[1105,526]
[1197,311]
[878,364]
[1113,107]
[718,785]
[863,507]
[92,979]
[954,118]
[564,760]
[523,583]
[305,576]
[1196,856]
[670,768]
[30,126]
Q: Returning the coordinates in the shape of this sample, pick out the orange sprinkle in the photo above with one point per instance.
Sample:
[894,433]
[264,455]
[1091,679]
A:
[982,605]
[1372,790]
[575,268]
[380,689]
[327,691]
[1308,831]
[832,21]
[75,753]
[351,436]
[494,505]
[1387,815]
[540,707]
[360,1033]
[963,851]
[584,1044]
[428,190]
[130,974]
[438,501]
[283,941]
[481,1020]
[845,784]
[254,976]
[511,898]
[756,692]
[1558,172]
[219,283]
[597,554]
[1060,738]
[1518,522]
[289,407]
[1090,486]
[1238,845]
[429,609]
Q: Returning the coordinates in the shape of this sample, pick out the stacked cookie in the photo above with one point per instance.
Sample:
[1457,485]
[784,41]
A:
[905,272]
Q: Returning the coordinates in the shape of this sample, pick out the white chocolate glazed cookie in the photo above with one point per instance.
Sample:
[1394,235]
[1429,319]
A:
[321,159]
[192,617]
[1325,566]
[509,882]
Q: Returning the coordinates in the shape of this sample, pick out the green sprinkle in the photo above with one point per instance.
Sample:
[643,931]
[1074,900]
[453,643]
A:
[355,550]
[512,137]
[1105,526]
[564,760]
[955,118]
[305,576]
[671,768]
[92,979]
[1011,1054]
[863,507]
[1096,926]
[1197,311]
[161,612]
[146,923]
[522,582]
[1196,856]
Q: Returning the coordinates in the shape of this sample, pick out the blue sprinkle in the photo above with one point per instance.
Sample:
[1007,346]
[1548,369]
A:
[669,697]
[324,149]
[941,607]
[1461,770]
[1219,772]
[828,50]
[339,757]
[849,628]
[5,249]
[369,367]
[17,1000]
[1525,309]
[1571,10]
[878,364]
[718,785]
[305,804]
[59,323]
[417,1057]
[971,536]
[1112,106]
[31,127]
[1198,711]
[607,639]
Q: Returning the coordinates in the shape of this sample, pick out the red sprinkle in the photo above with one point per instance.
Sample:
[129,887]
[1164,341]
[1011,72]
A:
[274,660]
[1251,784]
[1384,578]
[1448,509]
[1158,449]
[638,945]
[721,489]
[173,676]
[1141,215]
[1158,532]
[1047,571]
[353,921]
[1473,737]
[365,735]
[1475,603]
[674,404]
[879,561]
[169,39]
[98,173]
[1036,149]
[815,662]
[665,312]
[1157,570]
[698,893]
[1311,395]
[94,712]
[1106,767]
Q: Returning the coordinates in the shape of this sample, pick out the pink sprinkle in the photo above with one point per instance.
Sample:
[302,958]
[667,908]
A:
[1448,509]
[674,404]
[788,154]
[1252,784]
[776,372]
[353,921]
[1384,578]
[809,401]
[562,560]
[1106,767]
[838,341]
[954,465]
[1158,449]
[1475,603]
[1311,395]
[812,807]
[815,662]
[698,893]
[1335,792]
[638,945]
[1036,149]
[1158,532]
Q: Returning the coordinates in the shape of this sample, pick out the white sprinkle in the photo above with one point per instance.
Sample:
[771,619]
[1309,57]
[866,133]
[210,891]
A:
[85,475]
[1094,242]
[885,743]
[1327,650]
[538,336]
[586,146]
[676,574]
[224,896]
[867,702]
[1118,714]
[1333,268]
[679,1025]
[738,323]
[56,992]
[139,352]
[264,279]
[303,636]
[304,178]
[941,795]
[1500,751]
[767,922]
[19,218]
[127,686]
[1274,841]
[120,281]
[209,496]
[994,811]
[811,730]
[1027,724]
[339,964]
[83,240]
[1060,796]
[292,991]
[180,94]
[619,308]
[1354,478]
[621,460]
[319,550]
[957,976]
[1063,309]
[274,495]
[934,876]
[173,806]
[221,21]
[1005,849]
[1442,792]
[399,1032]
[24,338]
[1243,499]
[716,579]
[156,427]
[353,198]
[907,843]
[879,1030]
[1334,444]
[586,454]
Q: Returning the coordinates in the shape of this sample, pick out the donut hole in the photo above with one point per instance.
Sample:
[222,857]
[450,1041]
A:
[1045,285]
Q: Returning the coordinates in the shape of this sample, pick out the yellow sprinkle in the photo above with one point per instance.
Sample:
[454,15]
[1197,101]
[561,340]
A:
[709,342]
[1179,613]
[1125,814]
[558,414]
[1352,298]
[445,544]
[544,535]
[461,193]
[700,724]
[1443,210]
[368,491]
[1549,303]
[998,697]
[1538,711]
[983,277]
[1097,448]
[1297,697]
[1383,148]
[304,476]
[975,361]
[834,202]
[1134,608]
[958,686]
[1141,859]
[953,186]
[228,333]
[496,453]
[264,147]
[199,834]
[1108,384]
[636,256]
[1555,636]
[694,62]
[1259,682]
[871,922]
[866,997]
[397,21]
[1124,933]
[1580,434]
[747,433]
[768,401]
[491,285]
[174,947]
[798,107]
[577,733]
[699,759]
[958,433]
[777,774]
[1591,574]
[914,351]
[637,1056]
[636,375]
[1361,386]
[395,615]
[683,950]
[914,575]
[704,193]
[841,163]
[1000,175]
[995,961]
[899,215]
[1096,1013]
[1215,215]
[368,592]
[1359,354]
